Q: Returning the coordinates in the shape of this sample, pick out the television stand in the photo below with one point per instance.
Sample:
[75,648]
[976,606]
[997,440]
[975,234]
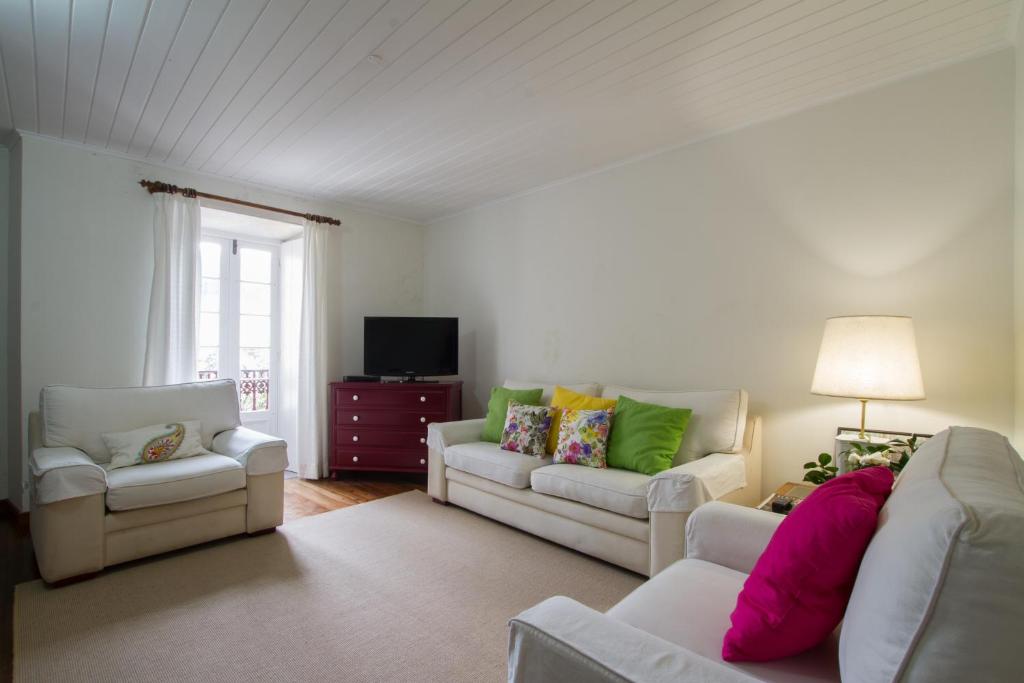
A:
[383,426]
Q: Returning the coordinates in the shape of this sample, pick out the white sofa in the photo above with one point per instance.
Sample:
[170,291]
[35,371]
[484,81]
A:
[85,518]
[939,595]
[627,518]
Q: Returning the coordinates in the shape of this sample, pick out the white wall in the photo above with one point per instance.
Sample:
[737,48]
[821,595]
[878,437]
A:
[715,265]
[87,264]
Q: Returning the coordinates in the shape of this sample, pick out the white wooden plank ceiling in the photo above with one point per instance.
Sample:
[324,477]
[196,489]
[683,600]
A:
[421,108]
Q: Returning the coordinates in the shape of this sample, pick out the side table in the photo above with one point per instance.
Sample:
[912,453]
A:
[791,489]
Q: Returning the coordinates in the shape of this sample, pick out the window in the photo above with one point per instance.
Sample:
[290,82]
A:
[238,331]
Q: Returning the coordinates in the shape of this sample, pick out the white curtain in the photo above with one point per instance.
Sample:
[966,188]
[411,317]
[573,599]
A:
[173,303]
[303,409]
[292,254]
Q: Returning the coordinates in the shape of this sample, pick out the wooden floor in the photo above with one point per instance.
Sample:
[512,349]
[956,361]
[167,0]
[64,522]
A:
[302,498]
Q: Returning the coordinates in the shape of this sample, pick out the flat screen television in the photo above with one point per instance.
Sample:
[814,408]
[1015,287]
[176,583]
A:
[410,347]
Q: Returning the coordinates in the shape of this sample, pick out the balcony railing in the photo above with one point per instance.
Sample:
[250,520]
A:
[253,389]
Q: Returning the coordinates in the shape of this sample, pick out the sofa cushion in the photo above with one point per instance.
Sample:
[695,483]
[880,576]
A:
[526,429]
[487,460]
[548,388]
[154,443]
[797,592]
[689,604]
[497,409]
[618,491]
[940,591]
[173,481]
[716,424]
[77,416]
[567,398]
[583,437]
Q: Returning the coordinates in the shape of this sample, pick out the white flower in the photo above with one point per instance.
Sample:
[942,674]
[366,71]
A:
[853,459]
[876,459]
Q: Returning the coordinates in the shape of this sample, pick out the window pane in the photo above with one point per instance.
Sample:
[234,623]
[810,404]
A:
[255,298]
[209,295]
[209,329]
[254,330]
[254,360]
[207,362]
[255,265]
[209,258]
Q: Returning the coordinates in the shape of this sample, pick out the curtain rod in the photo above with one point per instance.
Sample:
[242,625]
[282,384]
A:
[155,186]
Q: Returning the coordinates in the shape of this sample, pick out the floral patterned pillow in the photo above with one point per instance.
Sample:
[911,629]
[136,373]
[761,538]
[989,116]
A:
[583,437]
[526,429]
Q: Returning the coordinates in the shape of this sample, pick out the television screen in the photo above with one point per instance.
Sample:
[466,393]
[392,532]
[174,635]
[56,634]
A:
[410,347]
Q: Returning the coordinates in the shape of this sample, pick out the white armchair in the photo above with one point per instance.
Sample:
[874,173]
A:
[950,531]
[86,517]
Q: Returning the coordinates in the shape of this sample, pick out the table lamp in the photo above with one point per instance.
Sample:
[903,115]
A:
[868,357]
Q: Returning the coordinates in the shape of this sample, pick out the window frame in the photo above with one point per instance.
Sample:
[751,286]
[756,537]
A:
[229,349]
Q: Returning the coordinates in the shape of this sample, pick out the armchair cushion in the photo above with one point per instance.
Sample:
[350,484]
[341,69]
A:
[620,491]
[77,416]
[562,640]
[64,473]
[729,535]
[689,605]
[257,452]
[686,487]
[173,481]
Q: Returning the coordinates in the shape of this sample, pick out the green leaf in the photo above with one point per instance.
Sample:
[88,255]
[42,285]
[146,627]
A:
[824,459]
[815,477]
[810,465]
[831,469]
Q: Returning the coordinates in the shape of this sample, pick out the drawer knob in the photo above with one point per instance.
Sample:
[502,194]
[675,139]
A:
[423,399]
[423,419]
[355,418]
[355,458]
[355,397]
[423,439]
[355,438]
[422,461]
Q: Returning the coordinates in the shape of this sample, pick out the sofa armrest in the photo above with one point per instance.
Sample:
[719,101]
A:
[443,434]
[688,486]
[258,453]
[64,473]
[730,535]
[562,640]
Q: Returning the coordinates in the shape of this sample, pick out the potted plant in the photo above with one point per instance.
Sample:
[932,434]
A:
[894,454]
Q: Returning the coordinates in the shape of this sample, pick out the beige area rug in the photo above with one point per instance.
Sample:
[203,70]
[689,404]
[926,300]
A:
[399,589]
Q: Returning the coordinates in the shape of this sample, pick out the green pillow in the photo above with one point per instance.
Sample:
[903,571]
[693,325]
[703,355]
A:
[497,409]
[645,437]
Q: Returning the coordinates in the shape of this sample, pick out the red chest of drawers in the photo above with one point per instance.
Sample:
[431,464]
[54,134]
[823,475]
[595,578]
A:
[384,426]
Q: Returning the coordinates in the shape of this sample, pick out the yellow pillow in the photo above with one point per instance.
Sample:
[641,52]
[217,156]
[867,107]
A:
[566,398]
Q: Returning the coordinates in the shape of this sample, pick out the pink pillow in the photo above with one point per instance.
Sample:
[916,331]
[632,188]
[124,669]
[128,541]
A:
[797,593]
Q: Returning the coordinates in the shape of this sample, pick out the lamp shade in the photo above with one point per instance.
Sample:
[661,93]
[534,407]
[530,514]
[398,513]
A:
[869,357]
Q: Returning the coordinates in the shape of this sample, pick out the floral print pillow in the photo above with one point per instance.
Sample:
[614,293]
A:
[583,437]
[526,429]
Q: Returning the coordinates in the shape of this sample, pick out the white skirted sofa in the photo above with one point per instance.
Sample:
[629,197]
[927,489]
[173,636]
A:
[627,518]
[86,516]
[939,596]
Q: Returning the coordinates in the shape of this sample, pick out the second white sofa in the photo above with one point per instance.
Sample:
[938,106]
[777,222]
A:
[630,519]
